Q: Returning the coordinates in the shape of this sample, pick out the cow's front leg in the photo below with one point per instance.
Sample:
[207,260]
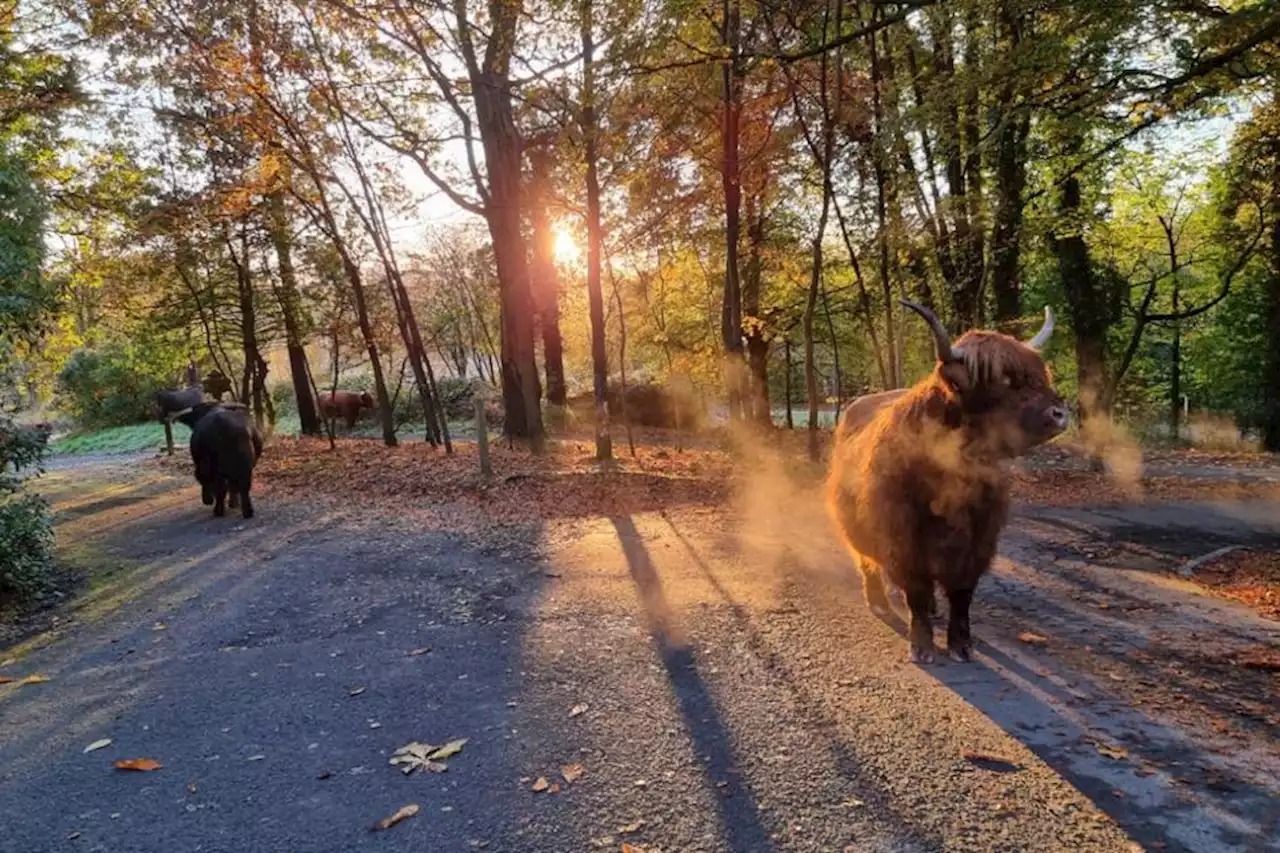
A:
[920,633]
[959,640]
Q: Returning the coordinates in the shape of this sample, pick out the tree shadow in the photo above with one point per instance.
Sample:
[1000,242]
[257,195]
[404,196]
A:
[738,807]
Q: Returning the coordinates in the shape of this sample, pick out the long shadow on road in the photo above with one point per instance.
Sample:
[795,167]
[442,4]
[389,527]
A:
[739,809]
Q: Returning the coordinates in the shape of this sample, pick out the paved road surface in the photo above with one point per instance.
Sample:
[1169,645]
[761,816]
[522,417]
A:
[731,691]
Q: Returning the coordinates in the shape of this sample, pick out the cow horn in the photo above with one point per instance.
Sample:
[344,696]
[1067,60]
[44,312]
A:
[1042,337]
[940,336]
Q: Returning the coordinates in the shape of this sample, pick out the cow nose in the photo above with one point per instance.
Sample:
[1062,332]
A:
[1059,417]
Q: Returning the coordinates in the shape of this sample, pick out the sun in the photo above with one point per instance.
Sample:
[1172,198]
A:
[566,249]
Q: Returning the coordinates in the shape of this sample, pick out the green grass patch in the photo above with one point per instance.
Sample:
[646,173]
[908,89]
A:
[135,438]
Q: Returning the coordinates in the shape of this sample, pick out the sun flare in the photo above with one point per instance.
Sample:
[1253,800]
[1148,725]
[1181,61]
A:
[566,248]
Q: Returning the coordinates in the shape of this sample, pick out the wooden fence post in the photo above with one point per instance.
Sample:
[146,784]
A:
[482,436]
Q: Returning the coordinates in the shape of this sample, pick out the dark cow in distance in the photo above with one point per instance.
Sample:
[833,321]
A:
[225,446]
[918,485]
[346,404]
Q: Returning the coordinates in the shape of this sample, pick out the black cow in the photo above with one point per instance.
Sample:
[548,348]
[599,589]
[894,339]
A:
[225,445]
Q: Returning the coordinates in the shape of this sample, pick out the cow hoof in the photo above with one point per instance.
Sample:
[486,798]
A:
[248,513]
[219,512]
[206,500]
[924,657]
[960,654]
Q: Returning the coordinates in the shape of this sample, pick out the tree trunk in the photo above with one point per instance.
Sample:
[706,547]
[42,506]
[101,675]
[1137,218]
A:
[1271,377]
[278,225]
[731,180]
[1175,370]
[599,355]
[878,166]
[1012,128]
[786,379]
[546,286]
[1086,303]
[495,120]
[757,403]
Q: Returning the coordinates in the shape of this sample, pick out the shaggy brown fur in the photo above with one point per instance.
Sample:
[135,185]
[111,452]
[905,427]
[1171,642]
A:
[862,411]
[917,484]
[346,404]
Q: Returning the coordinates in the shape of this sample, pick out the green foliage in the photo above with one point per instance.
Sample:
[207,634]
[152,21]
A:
[113,385]
[26,526]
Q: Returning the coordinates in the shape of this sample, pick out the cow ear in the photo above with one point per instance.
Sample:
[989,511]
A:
[956,375]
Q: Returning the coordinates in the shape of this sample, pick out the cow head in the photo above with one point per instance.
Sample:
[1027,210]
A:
[1002,386]
[366,400]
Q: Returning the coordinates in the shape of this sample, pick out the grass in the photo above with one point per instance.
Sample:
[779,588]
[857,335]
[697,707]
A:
[146,437]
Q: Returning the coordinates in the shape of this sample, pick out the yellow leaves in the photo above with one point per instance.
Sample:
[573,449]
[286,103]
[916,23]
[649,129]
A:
[572,772]
[139,764]
[1033,639]
[540,784]
[403,813]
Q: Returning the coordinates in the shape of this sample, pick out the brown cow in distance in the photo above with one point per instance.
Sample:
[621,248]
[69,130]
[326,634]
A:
[920,492]
[345,404]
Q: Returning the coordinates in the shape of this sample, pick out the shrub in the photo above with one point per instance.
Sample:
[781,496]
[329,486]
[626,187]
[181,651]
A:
[26,526]
[114,385]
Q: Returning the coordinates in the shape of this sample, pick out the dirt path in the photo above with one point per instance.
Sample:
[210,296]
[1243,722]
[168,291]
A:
[713,671]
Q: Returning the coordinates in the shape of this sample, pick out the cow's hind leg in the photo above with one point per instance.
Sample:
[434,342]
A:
[233,501]
[873,587]
[920,633]
[246,503]
[219,497]
[959,640]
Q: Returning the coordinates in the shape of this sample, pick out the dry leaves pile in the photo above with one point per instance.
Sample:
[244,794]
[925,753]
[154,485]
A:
[567,482]
[1250,577]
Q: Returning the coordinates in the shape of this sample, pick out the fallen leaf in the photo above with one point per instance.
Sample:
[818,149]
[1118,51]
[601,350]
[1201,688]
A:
[137,764]
[33,679]
[1033,639]
[631,828]
[989,762]
[852,803]
[572,772]
[255,758]
[98,744]
[421,651]
[578,710]
[540,784]
[554,789]
[631,848]
[6,679]
[404,812]
[356,691]
[159,626]
[449,750]
[1113,752]
[73,836]
[417,755]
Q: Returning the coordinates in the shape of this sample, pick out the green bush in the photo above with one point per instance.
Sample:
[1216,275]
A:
[114,384]
[26,525]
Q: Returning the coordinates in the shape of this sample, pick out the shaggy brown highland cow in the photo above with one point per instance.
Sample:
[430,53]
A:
[918,484]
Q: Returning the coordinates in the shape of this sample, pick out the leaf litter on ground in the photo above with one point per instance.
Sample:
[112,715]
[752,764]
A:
[142,764]
[418,755]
